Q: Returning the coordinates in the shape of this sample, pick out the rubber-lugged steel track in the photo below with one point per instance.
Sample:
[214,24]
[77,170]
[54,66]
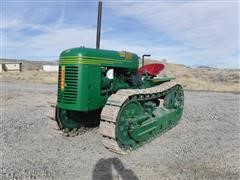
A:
[111,110]
[65,132]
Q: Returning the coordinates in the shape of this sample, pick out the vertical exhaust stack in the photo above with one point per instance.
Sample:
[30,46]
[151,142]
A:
[99,21]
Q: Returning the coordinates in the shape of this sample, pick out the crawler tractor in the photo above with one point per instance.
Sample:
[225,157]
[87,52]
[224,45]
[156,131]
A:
[102,86]
[106,88]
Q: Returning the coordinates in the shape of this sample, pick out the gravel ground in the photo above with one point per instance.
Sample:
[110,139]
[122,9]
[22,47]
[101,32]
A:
[204,145]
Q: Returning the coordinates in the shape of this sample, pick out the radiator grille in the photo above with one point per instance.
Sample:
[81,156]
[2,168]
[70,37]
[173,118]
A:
[70,91]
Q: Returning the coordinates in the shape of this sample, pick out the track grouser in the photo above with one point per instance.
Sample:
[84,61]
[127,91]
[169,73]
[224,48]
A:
[106,88]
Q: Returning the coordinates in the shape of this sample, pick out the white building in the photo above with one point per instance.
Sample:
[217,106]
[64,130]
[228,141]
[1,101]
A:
[12,67]
[8,66]
[50,68]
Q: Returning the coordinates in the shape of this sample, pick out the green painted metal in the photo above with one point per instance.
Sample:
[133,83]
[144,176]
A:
[129,111]
[83,88]
[65,120]
[99,57]
[142,131]
[162,79]
[140,121]
[81,83]
[83,78]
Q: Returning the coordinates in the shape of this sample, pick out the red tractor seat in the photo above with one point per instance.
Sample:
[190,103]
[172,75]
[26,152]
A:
[152,69]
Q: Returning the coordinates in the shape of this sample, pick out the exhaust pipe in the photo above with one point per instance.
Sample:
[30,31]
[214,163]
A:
[99,21]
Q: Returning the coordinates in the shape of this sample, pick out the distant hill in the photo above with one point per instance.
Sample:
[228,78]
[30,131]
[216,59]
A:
[199,78]
[202,78]
[31,65]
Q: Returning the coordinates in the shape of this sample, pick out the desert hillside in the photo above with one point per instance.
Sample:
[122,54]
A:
[201,78]
[30,65]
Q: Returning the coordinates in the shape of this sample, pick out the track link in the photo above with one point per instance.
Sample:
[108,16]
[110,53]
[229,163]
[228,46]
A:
[111,111]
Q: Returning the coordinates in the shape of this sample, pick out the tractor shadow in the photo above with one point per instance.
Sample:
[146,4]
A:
[112,169]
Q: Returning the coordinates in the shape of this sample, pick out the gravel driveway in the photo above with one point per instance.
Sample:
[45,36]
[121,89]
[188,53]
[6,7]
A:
[204,145]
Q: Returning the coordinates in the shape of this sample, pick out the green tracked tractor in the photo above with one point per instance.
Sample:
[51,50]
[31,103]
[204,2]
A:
[106,88]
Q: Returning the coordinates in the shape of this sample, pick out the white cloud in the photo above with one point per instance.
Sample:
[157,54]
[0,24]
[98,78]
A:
[48,44]
[210,27]
[27,32]
[207,32]
[157,52]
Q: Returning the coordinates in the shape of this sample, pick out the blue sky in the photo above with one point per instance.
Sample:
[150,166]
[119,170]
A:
[185,32]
